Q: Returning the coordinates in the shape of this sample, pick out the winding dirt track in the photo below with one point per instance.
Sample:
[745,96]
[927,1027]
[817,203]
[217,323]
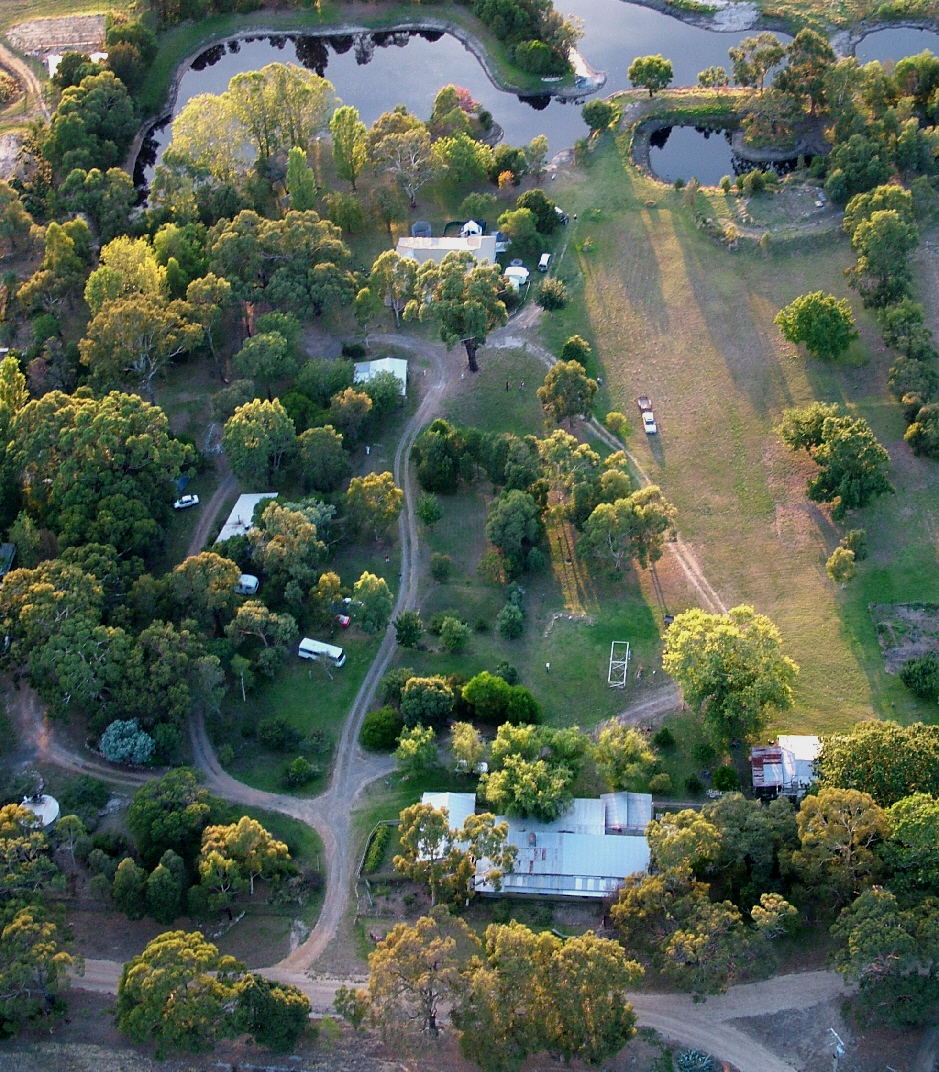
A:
[706,1026]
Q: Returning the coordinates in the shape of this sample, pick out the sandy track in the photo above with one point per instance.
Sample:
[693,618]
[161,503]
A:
[28,77]
[209,515]
[707,1026]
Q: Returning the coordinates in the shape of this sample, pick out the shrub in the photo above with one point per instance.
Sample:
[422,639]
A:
[278,735]
[576,349]
[534,560]
[354,350]
[693,784]
[440,567]
[664,738]
[660,783]
[380,729]
[428,509]
[616,422]
[426,701]
[856,540]
[226,755]
[376,849]
[725,779]
[921,676]
[84,797]
[454,634]
[408,629]
[553,295]
[390,686]
[126,742]
[298,773]
[507,672]
[510,622]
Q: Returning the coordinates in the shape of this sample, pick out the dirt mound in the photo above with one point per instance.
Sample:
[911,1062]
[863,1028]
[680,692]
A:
[79,33]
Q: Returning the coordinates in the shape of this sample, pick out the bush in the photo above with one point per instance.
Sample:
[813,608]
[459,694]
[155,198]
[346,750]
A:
[226,755]
[693,784]
[428,509]
[298,773]
[454,634]
[390,686]
[660,783]
[534,560]
[380,729]
[354,350]
[376,849]
[576,349]
[664,738]
[278,735]
[616,422]
[440,567]
[84,797]
[725,779]
[510,622]
[921,676]
[126,742]
[856,540]
[507,672]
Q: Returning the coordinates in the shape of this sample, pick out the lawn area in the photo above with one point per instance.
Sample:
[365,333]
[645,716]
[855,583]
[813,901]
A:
[312,698]
[678,317]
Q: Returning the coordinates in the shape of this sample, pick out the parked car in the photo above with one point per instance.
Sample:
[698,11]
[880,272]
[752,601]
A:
[644,403]
[344,620]
[648,422]
[186,501]
[562,215]
[544,262]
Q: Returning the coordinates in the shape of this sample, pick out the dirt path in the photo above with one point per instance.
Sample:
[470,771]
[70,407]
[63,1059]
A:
[706,1026]
[28,77]
[506,338]
[201,534]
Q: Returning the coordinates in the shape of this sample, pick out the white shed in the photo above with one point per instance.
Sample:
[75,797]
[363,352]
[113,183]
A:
[368,370]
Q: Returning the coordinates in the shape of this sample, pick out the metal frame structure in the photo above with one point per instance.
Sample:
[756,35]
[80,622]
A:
[619,664]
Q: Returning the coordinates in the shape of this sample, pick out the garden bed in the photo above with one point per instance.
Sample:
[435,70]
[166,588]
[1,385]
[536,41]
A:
[905,631]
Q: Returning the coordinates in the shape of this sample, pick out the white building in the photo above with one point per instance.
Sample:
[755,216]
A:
[483,248]
[239,520]
[787,767]
[397,366]
[586,853]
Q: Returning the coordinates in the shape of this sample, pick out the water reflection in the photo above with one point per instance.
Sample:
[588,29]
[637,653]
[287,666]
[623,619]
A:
[702,153]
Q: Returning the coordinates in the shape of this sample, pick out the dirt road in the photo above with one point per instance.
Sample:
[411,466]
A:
[28,77]
[201,534]
[706,1026]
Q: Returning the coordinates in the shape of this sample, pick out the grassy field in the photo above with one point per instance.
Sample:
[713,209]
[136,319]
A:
[683,319]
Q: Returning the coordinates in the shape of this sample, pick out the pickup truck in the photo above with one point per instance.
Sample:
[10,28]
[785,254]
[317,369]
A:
[648,419]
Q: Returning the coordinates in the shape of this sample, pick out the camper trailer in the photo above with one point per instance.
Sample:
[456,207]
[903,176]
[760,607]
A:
[316,649]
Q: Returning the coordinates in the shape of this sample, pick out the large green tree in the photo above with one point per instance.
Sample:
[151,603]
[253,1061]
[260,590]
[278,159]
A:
[349,143]
[731,669]
[884,759]
[93,125]
[98,470]
[257,437]
[464,301]
[823,322]
[852,463]
[567,392]
[650,72]
[754,58]
[627,529]
[178,993]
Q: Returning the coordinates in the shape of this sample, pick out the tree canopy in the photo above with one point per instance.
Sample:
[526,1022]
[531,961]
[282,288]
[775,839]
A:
[731,668]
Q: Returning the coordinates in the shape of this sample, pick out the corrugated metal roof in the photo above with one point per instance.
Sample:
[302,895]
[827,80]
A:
[459,805]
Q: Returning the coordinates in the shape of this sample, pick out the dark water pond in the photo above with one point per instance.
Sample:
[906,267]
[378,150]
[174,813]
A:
[377,71]
[895,43]
[696,153]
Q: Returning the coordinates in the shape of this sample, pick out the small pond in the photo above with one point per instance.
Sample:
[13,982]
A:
[377,71]
[895,43]
[683,152]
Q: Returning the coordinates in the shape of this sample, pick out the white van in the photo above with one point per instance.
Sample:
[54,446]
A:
[544,262]
[316,649]
[247,585]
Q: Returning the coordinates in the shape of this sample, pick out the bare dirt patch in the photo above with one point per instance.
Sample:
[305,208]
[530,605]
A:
[905,631]
[81,33]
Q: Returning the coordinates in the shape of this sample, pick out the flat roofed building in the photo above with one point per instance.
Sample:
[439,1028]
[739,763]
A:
[483,248]
[239,520]
[585,853]
[397,366]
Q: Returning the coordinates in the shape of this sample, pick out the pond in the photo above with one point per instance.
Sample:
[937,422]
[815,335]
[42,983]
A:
[683,152]
[377,71]
[895,43]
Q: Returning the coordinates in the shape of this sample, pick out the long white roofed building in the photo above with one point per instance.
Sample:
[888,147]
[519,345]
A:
[586,853]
